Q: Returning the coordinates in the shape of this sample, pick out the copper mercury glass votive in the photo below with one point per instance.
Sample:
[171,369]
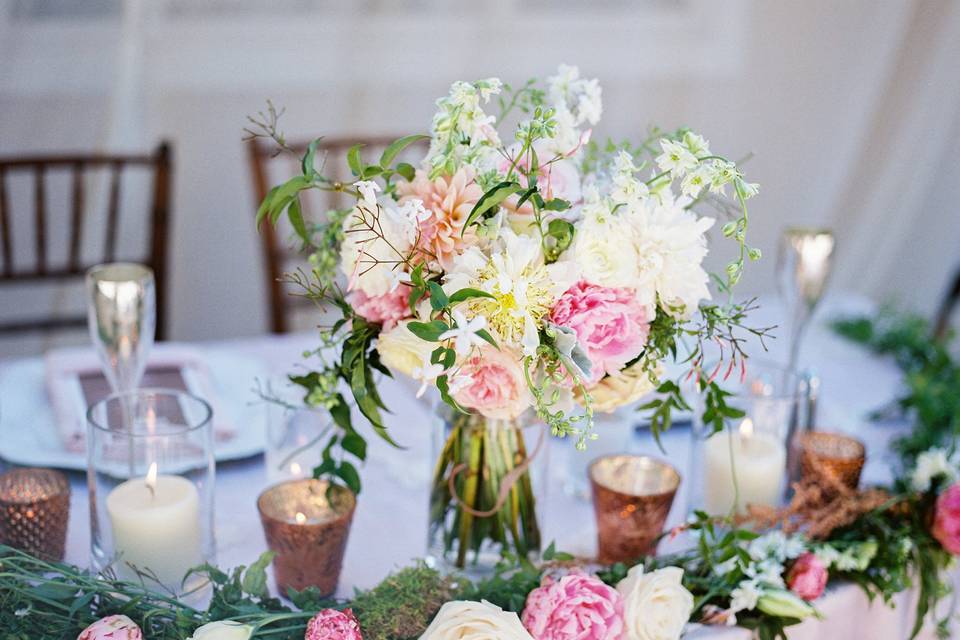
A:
[35,506]
[838,456]
[632,496]
[306,523]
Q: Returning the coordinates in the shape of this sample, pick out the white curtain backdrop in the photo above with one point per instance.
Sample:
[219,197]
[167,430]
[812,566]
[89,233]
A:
[851,110]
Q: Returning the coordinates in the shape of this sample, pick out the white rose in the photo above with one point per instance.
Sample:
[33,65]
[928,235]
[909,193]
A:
[625,387]
[400,350]
[605,253]
[656,606]
[465,620]
[223,630]
[377,239]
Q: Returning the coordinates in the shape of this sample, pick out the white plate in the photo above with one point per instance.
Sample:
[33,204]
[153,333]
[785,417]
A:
[29,434]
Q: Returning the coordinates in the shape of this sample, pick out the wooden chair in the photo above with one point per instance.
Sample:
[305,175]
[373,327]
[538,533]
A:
[278,247]
[46,268]
[947,306]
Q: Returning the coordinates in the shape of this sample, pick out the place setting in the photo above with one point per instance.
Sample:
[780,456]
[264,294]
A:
[533,395]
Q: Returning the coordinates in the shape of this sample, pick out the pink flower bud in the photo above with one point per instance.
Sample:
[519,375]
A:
[946,523]
[807,577]
[331,624]
[112,628]
[575,607]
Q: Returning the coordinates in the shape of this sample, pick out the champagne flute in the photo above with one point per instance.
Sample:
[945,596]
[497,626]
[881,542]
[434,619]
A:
[122,318]
[803,266]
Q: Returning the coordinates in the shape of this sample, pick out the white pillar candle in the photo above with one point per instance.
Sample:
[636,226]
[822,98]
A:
[758,461]
[156,526]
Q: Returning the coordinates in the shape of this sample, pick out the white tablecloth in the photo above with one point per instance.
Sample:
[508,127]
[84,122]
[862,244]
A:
[389,528]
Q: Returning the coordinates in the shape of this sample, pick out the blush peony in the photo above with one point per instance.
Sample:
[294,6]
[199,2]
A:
[497,387]
[946,523]
[610,324]
[449,200]
[387,309]
[575,607]
[112,628]
[330,624]
[807,577]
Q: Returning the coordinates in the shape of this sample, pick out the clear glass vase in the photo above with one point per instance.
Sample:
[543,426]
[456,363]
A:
[487,489]
[150,475]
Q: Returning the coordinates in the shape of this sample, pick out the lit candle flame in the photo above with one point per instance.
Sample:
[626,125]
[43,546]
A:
[746,428]
[151,479]
[295,468]
[300,518]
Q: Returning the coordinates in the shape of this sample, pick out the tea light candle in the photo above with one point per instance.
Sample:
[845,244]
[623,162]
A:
[756,459]
[156,526]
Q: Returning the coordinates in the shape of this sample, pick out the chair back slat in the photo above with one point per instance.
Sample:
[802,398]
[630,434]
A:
[113,212]
[76,218]
[5,232]
[73,266]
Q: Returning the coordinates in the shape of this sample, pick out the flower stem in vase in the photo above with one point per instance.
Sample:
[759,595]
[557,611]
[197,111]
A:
[482,503]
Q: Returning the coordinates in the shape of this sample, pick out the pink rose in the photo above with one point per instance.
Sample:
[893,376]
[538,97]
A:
[497,388]
[112,628]
[575,607]
[331,624]
[388,309]
[946,522]
[807,577]
[611,325]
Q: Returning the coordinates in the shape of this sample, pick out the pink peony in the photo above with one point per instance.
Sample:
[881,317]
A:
[611,325]
[449,199]
[946,522]
[807,577]
[575,607]
[388,309]
[497,388]
[112,628]
[331,624]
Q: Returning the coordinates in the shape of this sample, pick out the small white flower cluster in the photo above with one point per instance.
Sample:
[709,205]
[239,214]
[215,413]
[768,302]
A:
[933,464]
[768,554]
[855,557]
[461,130]
[576,102]
[691,161]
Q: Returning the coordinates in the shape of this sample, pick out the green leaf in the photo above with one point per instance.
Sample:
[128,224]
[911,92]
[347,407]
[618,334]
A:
[307,163]
[397,146]
[355,444]
[556,204]
[492,198]
[348,473]
[438,298]
[526,196]
[468,293]
[354,161]
[429,331]
[255,577]
[340,413]
[295,215]
[370,171]
[483,333]
[265,206]
[407,171]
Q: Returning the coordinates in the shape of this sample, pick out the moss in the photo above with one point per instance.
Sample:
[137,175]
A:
[403,604]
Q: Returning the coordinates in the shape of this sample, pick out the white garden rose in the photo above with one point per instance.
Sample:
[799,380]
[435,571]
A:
[624,387]
[222,630]
[466,620]
[656,606]
[376,240]
[400,350]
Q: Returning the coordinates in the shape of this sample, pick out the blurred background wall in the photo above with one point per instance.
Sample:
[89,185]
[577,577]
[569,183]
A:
[851,109]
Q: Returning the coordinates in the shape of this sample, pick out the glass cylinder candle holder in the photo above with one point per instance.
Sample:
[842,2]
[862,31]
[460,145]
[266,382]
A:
[746,462]
[150,474]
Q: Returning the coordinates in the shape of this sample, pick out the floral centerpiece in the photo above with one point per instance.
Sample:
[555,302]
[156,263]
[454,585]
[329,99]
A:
[529,275]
